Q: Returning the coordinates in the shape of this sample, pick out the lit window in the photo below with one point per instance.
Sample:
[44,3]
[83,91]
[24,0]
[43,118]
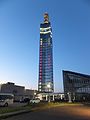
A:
[39,86]
[40,83]
[40,42]
[39,89]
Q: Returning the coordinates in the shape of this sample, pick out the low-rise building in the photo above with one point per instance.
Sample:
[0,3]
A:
[19,91]
[76,86]
[50,96]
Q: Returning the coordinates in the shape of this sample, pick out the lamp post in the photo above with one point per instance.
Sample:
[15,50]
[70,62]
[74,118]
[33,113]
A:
[34,94]
[48,86]
[69,97]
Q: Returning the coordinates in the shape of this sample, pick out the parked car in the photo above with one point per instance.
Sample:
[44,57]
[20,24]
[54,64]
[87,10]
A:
[25,100]
[35,101]
[6,99]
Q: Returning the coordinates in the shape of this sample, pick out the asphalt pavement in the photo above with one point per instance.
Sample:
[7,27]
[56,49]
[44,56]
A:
[56,113]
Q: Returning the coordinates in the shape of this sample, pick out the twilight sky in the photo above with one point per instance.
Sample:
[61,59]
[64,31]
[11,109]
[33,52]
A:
[19,39]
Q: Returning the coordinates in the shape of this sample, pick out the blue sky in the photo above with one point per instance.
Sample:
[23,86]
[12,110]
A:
[19,39]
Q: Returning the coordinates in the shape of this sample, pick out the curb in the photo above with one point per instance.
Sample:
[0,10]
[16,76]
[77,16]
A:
[6,115]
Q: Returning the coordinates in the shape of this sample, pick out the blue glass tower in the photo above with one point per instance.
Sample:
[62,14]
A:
[45,83]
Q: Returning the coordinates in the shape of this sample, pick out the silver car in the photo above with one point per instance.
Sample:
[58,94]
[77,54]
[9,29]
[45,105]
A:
[35,101]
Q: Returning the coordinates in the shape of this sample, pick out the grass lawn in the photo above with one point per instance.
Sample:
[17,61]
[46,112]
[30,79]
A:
[9,109]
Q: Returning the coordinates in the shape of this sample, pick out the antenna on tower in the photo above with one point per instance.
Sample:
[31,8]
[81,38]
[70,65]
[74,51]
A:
[46,17]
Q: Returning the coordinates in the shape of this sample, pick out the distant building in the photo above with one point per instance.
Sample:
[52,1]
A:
[30,93]
[76,86]
[19,91]
[45,82]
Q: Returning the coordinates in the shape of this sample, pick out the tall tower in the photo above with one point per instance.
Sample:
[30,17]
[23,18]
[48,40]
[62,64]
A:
[45,82]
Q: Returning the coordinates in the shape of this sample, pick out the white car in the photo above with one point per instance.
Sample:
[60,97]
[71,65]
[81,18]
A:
[35,101]
[6,99]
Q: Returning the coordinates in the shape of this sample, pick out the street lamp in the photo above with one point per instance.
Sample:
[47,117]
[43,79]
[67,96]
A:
[69,97]
[48,86]
[34,94]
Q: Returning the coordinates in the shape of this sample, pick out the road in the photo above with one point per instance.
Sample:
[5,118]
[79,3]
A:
[56,113]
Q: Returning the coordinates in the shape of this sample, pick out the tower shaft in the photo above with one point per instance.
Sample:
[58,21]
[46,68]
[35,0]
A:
[45,83]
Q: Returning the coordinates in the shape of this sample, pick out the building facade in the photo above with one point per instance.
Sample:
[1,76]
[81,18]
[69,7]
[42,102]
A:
[45,82]
[19,92]
[76,86]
